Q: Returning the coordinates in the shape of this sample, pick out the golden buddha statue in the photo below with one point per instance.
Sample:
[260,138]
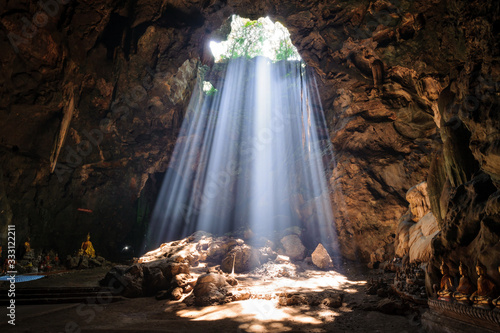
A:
[87,248]
[486,288]
[465,286]
[446,291]
[27,246]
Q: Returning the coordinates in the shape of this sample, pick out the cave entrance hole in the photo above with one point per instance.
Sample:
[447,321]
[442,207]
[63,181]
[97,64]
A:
[251,156]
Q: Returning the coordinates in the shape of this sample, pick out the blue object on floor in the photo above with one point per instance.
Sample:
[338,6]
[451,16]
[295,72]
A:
[22,278]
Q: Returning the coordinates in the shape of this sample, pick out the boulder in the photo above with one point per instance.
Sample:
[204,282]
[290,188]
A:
[210,289]
[293,247]
[219,248]
[176,294]
[182,280]
[321,258]
[244,257]
[146,279]
[154,281]
[421,235]
[132,285]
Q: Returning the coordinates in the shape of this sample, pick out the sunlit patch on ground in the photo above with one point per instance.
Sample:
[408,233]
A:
[267,315]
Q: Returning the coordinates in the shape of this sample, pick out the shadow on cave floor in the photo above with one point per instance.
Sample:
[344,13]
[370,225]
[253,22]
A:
[255,315]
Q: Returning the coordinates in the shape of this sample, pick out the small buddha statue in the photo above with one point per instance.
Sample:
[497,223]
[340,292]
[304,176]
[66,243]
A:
[446,291]
[486,288]
[465,286]
[87,248]
[27,246]
[28,251]
[48,264]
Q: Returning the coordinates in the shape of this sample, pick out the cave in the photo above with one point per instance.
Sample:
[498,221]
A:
[250,166]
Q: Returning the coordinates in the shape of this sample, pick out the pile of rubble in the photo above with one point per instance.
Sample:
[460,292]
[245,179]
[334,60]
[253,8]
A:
[201,268]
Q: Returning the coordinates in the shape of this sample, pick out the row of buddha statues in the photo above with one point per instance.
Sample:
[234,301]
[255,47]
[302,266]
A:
[466,293]
[86,249]
[31,259]
[44,261]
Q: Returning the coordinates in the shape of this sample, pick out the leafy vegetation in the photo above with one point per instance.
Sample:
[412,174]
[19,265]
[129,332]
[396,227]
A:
[261,37]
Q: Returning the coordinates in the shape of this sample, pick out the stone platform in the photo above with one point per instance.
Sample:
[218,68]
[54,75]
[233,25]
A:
[455,317]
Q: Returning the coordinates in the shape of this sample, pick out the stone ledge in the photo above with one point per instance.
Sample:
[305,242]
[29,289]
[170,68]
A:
[455,317]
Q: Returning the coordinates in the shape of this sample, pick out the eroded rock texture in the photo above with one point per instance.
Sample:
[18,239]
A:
[417,228]
[92,100]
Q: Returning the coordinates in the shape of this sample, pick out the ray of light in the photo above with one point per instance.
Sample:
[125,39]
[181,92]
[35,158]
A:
[250,156]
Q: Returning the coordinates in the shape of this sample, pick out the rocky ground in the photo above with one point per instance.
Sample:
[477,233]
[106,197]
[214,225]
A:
[225,279]
[191,284]
[358,312]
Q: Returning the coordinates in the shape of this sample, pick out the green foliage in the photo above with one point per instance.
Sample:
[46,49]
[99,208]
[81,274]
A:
[247,41]
[209,89]
[258,38]
[285,50]
[211,92]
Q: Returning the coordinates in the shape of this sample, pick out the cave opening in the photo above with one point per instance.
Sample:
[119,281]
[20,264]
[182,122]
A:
[252,154]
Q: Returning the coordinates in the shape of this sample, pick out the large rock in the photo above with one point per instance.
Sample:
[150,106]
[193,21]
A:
[321,258]
[243,257]
[146,279]
[417,227]
[127,281]
[218,249]
[421,235]
[293,247]
[210,288]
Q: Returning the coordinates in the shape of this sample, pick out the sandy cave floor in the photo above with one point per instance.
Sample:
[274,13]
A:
[254,315]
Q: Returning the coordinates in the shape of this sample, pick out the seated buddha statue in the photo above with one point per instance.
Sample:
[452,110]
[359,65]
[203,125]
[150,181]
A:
[28,251]
[486,288]
[87,248]
[465,286]
[446,291]
[27,246]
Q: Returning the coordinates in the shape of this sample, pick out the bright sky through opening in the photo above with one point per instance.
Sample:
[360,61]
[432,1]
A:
[267,39]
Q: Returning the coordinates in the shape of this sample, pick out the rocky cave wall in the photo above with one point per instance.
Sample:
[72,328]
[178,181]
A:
[93,95]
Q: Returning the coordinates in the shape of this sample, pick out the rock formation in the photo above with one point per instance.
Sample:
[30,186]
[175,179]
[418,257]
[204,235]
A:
[417,227]
[293,247]
[321,258]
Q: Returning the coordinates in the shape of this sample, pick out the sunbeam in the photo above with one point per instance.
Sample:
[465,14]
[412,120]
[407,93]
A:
[250,156]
